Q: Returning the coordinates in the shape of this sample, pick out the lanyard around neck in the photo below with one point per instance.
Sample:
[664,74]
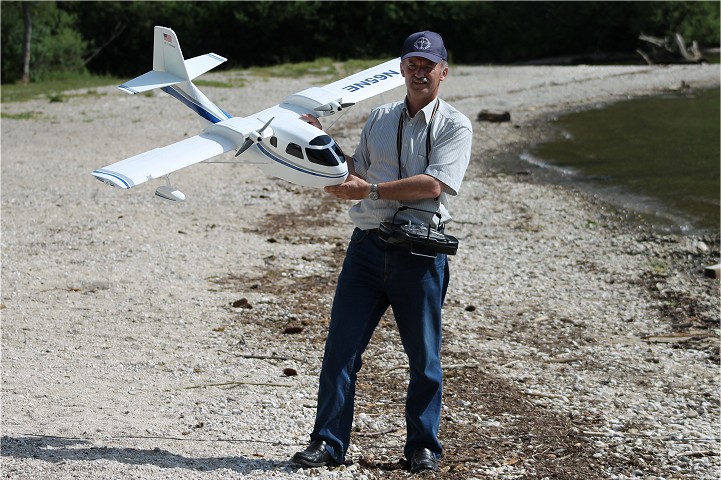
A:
[399,136]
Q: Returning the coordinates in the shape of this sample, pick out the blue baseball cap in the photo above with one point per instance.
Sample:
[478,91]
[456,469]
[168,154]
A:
[425,44]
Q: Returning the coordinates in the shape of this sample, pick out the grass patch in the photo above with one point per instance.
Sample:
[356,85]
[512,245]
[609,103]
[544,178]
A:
[20,116]
[53,89]
[318,67]
[56,97]
[353,66]
[659,266]
[214,83]
[324,68]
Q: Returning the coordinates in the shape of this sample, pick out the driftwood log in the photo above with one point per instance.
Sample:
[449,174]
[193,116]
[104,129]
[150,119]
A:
[669,50]
[486,116]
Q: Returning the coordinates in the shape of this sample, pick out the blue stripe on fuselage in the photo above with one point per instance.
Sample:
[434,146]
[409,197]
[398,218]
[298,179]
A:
[277,159]
[199,109]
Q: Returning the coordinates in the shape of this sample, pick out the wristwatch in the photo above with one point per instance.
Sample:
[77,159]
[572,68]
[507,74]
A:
[373,195]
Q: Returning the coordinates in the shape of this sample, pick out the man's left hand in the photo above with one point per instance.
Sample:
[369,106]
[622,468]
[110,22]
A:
[308,118]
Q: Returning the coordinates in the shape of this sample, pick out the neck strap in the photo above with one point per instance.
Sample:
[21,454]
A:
[399,136]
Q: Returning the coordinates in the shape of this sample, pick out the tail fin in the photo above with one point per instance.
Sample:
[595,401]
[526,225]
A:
[169,66]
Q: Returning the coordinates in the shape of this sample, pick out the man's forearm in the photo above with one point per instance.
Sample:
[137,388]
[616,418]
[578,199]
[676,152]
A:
[416,187]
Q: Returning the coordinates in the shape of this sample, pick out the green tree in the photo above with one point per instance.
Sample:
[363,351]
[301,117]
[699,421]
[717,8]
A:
[11,45]
[115,37]
[57,48]
[693,20]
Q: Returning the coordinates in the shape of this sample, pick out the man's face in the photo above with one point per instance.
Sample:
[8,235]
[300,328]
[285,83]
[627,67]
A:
[423,77]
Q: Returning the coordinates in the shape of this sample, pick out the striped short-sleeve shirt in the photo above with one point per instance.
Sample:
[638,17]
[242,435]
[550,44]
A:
[377,160]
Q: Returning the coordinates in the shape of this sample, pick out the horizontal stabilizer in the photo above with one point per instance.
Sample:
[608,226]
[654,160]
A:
[149,81]
[197,66]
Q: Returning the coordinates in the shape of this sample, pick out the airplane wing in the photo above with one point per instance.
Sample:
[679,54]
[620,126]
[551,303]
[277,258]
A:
[215,140]
[368,83]
[162,161]
[350,90]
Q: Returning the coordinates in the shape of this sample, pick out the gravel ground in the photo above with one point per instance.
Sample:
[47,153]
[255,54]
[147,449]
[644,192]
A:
[148,340]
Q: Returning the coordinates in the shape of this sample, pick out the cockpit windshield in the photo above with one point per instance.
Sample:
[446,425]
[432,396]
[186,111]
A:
[330,156]
[321,140]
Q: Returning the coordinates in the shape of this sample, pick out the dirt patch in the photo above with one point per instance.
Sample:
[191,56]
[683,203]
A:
[488,422]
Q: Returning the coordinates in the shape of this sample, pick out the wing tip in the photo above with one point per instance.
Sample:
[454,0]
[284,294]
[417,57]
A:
[127,89]
[112,179]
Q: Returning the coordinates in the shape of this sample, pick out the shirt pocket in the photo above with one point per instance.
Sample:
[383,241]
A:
[417,166]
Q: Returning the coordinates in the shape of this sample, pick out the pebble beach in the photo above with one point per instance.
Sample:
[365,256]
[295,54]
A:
[152,340]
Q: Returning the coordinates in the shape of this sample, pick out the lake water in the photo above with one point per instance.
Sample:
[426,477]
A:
[656,156]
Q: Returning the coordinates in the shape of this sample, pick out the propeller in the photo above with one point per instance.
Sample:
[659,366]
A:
[333,107]
[253,137]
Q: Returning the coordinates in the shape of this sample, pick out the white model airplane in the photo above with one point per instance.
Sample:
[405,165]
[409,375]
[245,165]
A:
[276,139]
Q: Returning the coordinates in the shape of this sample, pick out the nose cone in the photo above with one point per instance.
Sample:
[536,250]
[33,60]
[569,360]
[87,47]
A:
[342,175]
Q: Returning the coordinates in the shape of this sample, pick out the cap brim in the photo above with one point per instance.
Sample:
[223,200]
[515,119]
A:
[428,56]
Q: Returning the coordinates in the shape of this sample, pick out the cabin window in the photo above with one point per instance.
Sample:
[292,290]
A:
[295,150]
[274,141]
[323,156]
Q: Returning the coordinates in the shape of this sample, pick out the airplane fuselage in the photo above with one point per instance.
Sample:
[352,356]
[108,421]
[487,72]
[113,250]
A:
[289,148]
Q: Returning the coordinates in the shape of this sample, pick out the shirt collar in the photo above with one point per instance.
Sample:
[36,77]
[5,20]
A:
[427,110]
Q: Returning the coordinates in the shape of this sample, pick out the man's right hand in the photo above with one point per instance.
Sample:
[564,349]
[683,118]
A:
[354,188]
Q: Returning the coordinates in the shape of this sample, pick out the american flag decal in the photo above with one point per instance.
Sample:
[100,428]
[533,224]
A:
[167,38]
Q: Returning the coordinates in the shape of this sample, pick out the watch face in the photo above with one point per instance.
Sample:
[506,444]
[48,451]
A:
[374,195]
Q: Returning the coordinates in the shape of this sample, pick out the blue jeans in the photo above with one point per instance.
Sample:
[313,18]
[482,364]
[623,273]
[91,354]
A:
[377,275]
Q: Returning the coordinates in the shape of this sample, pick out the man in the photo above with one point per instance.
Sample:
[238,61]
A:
[412,153]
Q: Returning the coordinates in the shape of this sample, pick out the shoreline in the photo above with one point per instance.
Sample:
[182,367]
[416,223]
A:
[700,247]
[664,222]
[148,339]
